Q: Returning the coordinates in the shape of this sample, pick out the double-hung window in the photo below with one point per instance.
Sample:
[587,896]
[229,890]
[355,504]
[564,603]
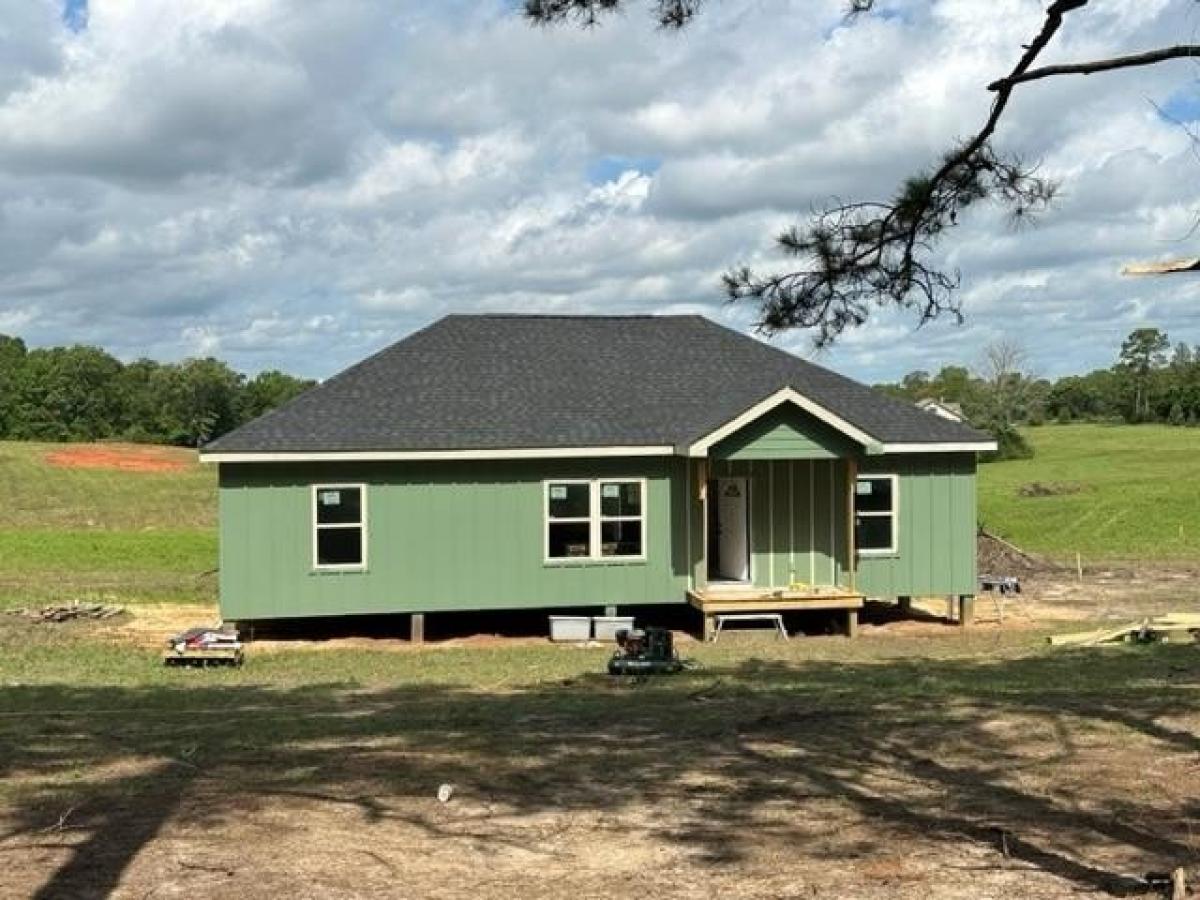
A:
[339,526]
[875,520]
[598,519]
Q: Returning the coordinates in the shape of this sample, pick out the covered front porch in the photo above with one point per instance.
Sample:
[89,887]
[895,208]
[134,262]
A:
[773,521]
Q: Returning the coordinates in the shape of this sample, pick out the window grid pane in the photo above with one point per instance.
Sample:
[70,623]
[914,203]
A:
[873,532]
[568,500]
[339,546]
[873,495]
[569,540]
[621,499]
[338,505]
[621,538]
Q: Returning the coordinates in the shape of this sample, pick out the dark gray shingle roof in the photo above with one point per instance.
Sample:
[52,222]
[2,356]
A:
[472,382]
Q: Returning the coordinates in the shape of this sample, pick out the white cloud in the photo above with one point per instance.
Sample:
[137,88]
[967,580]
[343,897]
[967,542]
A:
[295,185]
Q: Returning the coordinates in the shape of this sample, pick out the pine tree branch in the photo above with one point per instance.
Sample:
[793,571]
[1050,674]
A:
[1050,27]
[1149,58]
[859,255]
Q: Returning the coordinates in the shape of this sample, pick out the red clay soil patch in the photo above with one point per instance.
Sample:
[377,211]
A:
[125,457]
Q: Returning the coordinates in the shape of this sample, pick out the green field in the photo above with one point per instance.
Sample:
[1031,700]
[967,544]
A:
[1123,493]
[68,533]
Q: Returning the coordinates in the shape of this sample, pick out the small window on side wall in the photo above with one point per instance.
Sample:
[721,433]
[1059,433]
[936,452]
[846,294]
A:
[875,498]
[339,526]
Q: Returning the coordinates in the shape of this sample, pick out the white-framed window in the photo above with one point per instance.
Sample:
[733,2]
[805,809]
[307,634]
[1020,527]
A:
[595,519]
[876,500]
[339,526]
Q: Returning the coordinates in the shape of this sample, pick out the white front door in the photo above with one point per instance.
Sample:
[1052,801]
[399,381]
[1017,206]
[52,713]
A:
[733,536]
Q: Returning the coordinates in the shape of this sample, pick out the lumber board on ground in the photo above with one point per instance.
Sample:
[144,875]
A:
[1158,627]
[1096,636]
[1191,620]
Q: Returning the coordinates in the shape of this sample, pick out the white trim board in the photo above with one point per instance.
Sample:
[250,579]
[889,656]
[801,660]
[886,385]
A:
[945,447]
[780,397]
[420,455]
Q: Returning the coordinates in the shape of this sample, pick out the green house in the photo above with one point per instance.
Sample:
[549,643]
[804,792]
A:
[514,462]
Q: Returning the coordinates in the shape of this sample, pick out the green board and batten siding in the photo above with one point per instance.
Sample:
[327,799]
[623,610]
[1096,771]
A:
[936,553]
[470,535]
[797,519]
[441,536]
[785,432]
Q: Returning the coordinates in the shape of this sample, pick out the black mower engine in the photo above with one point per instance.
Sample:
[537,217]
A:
[644,651]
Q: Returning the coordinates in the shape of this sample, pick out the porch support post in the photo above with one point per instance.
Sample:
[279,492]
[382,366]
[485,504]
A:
[852,623]
[851,550]
[709,627]
[416,628]
[702,494]
[905,604]
[610,612]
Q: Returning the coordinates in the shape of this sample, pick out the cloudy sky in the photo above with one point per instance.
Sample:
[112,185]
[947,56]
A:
[295,183]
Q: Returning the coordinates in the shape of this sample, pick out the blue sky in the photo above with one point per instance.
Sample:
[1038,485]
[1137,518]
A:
[295,185]
[74,14]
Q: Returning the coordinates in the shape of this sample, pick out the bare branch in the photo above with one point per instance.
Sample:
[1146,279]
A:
[1149,58]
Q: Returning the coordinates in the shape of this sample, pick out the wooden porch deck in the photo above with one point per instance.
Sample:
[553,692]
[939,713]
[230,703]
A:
[718,600]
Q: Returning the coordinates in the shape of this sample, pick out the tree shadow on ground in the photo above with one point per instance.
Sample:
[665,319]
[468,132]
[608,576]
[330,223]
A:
[1003,755]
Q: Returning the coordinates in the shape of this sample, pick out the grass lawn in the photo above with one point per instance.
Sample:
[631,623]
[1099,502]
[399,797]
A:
[78,532]
[1131,493]
[953,765]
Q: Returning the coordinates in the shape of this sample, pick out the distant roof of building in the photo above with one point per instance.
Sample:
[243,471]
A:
[943,408]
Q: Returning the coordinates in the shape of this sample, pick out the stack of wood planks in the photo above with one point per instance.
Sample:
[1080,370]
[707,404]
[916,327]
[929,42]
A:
[1171,628]
[67,612]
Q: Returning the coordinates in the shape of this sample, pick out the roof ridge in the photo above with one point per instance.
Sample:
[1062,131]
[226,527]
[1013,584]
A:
[514,315]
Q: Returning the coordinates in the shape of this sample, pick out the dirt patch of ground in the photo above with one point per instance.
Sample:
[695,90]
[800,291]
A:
[996,556]
[1047,598]
[150,624]
[122,457]
[1049,488]
[804,787]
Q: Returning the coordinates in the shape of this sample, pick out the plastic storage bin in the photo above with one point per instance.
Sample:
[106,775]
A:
[570,628]
[605,628]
